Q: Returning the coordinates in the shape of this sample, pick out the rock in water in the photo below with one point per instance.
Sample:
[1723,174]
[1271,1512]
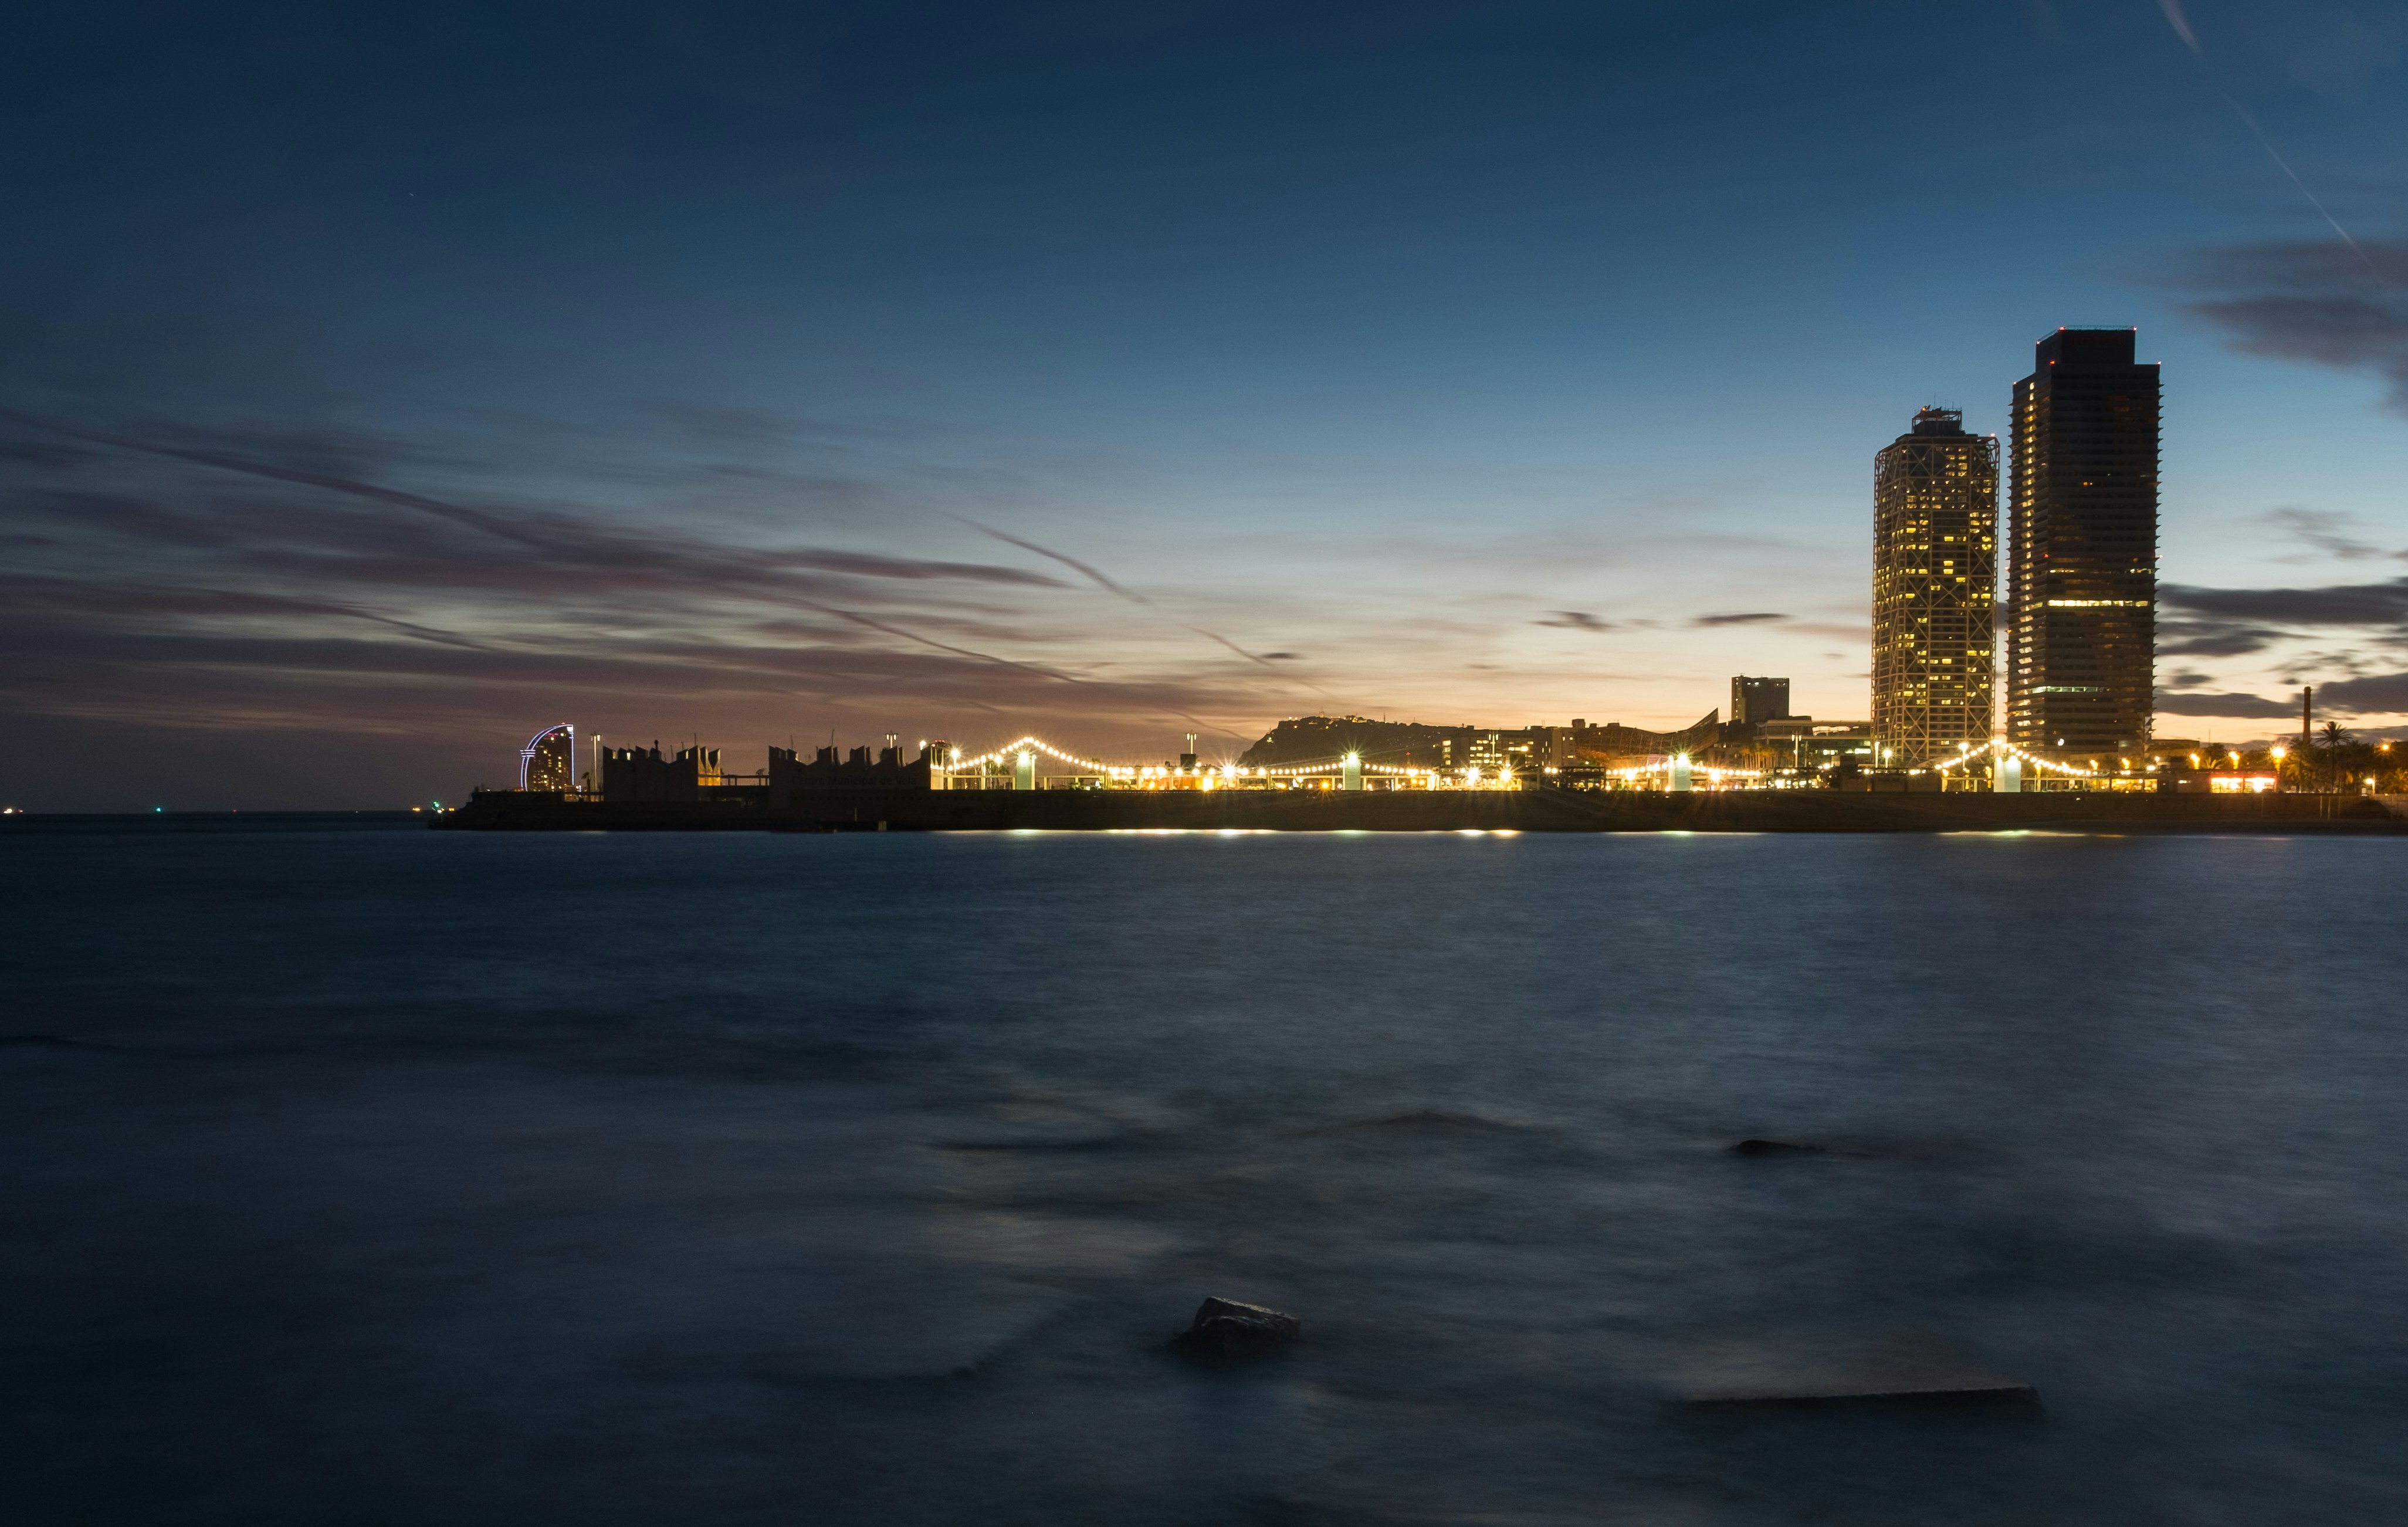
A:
[1800,1148]
[1225,1327]
[1908,1370]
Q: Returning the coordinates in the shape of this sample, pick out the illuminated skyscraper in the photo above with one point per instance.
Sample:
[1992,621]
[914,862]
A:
[2082,554]
[1935,575]
[549,759]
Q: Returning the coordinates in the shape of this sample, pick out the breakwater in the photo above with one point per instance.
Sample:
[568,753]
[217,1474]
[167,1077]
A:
[1439,811]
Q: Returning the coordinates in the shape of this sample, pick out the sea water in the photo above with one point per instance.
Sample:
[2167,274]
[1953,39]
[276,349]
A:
[401,1176]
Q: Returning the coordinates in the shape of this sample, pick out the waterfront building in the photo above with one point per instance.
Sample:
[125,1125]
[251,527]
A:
[548,760]
[2082,553]
[1812,745]
[788,775]
[1755,702]
[638,774]
[1452,750]
[1935,580]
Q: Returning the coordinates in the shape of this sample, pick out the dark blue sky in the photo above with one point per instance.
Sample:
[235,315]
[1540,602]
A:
[381,386]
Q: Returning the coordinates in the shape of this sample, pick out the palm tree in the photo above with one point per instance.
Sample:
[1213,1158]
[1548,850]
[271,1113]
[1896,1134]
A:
[2334,735]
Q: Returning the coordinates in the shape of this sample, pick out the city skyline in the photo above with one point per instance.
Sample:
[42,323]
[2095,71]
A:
[1126,373]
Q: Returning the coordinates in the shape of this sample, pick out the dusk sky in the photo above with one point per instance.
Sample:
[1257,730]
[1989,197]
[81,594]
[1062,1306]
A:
[377,387]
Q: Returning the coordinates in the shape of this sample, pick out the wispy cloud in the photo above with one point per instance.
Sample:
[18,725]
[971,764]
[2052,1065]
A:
[2181,24]
[2311,302]
[1263,659]
[126,602]
[2180,21]
[1577,620]
[2321,530]
[272,592]
[1750,617]
[866,623]
[536,542]
[2212,639]
[2347,604]
[229,461]
[1084,569]
[2384,694]
[2202,702]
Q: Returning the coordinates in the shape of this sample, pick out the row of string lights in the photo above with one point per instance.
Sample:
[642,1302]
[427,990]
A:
[2000,748]
[1677,771]
[1024,752]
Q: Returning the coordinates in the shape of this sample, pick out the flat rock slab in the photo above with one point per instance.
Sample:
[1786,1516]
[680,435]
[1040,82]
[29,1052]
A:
[1793,1147]
[1226,1328]
[1983,1390]
[1912,1372]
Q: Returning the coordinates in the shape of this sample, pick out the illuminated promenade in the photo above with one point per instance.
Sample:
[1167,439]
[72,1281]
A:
[1443,811]
[1029,784]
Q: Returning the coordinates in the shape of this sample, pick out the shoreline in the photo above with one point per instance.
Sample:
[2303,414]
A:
[1530,811]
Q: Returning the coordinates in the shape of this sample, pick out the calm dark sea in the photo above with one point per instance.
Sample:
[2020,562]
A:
[398,1176]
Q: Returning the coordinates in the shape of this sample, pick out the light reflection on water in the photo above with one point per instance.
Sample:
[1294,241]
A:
[406,1176]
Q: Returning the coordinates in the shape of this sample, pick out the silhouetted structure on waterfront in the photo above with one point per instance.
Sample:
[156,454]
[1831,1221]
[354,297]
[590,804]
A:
[788,775]
[1415,744]
[1755,702]
[2082,566]
[1935,578]
[1585,743]
[637,774]
[643,775]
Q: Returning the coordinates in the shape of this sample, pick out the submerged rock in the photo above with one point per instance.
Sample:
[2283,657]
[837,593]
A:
[1226,1328]
[1909,1370]
[1800,1147]
[1981,1390]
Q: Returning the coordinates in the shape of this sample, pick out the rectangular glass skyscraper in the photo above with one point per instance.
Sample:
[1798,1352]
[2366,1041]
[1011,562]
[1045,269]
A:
[2082,549]
[1935,578]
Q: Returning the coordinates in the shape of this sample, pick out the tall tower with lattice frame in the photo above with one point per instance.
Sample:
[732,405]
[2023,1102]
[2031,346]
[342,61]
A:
[1935,578]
